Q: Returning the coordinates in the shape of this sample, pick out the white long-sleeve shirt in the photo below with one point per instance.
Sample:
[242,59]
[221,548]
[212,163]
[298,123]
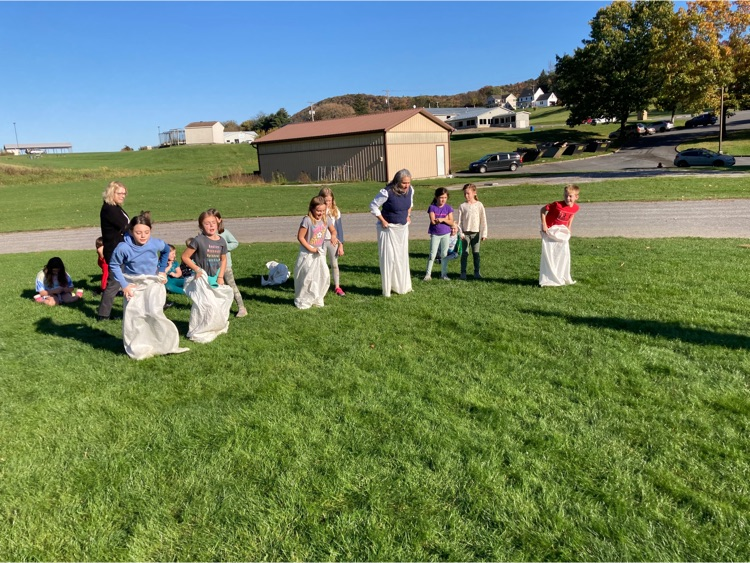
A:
[472,218]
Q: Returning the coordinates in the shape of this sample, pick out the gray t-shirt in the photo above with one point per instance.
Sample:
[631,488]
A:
[208,253]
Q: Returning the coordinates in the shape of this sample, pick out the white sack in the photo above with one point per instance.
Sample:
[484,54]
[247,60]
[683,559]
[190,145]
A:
[146,331]
[554,268]
[393,248]
[209,316]
[311,279]
[277,274]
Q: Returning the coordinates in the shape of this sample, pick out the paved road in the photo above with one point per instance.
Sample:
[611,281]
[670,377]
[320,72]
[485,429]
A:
[644,154]
[707,219]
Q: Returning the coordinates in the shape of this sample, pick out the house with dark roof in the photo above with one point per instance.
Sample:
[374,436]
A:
[365,147]
[528,97]
[546,100]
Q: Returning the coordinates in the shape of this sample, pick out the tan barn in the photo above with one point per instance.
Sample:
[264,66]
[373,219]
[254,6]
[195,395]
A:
[204,133]
[366,147]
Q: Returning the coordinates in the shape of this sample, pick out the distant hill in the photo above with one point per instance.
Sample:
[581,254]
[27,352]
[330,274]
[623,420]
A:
[363,104]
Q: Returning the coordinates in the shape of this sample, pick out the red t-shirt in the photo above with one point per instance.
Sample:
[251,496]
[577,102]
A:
[560,214]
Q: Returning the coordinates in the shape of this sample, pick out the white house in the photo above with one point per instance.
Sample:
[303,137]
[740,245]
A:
[204,133]
[239,136]
[529,96]
[546,100]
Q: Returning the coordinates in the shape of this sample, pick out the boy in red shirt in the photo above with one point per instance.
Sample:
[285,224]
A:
[557,218]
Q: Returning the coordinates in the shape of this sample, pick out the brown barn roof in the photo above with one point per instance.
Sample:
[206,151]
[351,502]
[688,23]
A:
[201,124]
[345,126]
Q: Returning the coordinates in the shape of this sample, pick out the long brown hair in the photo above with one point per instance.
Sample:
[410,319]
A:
[208,213]
[315,202]
[55,263]
[218,218]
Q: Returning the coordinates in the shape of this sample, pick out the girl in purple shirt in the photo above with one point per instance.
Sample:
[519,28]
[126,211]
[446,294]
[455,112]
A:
[441,221]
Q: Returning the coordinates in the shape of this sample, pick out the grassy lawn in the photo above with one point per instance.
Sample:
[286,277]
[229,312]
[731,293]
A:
[602,421]
[64,191]
[736,143]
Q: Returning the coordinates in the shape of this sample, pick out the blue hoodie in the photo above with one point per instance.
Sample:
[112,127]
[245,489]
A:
[134,259]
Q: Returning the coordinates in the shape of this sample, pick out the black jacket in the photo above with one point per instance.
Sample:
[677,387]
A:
[114,222]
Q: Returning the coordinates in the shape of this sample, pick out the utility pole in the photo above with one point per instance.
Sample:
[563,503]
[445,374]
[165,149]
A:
[721,120]
[387,95]
[312,110]
[16,132]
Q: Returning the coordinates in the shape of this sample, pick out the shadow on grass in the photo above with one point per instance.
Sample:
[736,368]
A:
[373,270]
[670,330]
[94,337]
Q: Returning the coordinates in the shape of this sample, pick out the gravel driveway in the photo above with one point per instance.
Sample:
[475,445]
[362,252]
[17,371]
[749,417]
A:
[707,219]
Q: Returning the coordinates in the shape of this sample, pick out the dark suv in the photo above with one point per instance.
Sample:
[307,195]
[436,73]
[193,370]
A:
[497,161]
[702,119]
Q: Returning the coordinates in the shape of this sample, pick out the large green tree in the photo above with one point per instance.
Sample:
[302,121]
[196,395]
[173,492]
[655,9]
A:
[615,72]
[720,40]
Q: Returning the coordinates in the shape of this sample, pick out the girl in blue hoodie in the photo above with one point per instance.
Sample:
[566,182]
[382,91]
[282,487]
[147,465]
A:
[139,254]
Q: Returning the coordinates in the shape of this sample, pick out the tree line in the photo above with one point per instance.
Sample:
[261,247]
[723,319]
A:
[350,105]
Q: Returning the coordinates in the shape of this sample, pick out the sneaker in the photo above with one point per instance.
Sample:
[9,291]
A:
[340,292]
[463,275]
[102,318]
[445,278]
[241,313]
[427,277]
[477,276]
[167,305]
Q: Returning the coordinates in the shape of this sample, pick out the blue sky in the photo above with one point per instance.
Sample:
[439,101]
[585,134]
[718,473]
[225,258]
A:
[103,75]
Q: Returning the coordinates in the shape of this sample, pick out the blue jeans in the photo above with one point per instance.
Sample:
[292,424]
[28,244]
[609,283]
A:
[438,243]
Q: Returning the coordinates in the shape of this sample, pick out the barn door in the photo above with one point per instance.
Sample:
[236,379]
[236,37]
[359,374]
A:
[440,160]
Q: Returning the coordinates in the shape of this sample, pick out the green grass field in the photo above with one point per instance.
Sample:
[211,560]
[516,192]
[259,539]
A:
[478,420]
[602,421]
[177,184]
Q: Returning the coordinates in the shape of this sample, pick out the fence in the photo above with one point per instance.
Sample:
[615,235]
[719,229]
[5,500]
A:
[342,173]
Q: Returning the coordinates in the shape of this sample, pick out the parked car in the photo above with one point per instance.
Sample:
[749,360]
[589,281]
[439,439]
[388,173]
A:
[497,161]
[702,157]
[631,130]
[704,119]
[599,120]
[650,129]
[662,126]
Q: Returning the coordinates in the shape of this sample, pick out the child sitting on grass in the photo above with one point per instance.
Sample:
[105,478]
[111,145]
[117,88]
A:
[53,284]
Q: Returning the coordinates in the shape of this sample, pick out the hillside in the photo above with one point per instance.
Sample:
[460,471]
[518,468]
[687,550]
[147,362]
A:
[362,104]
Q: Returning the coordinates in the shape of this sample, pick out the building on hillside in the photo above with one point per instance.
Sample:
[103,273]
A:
[204,133]
[546,100]
[367,147]
[529,96]
[481,118]
[34,149]
[239,136]
[504,101]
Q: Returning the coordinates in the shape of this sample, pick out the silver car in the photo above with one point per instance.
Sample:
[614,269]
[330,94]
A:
[662,126]
[702,157]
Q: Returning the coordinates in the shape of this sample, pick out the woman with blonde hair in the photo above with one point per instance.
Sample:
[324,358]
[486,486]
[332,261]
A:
[114,222]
